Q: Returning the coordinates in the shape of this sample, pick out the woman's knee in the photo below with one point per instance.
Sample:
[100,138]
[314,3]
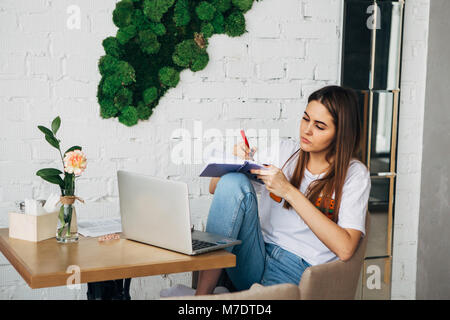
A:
[234,199]
[235,181]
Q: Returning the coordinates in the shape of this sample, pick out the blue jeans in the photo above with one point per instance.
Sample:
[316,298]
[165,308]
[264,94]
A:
[234,213]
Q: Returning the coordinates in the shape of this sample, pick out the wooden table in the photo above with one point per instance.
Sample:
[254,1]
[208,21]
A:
[45,263]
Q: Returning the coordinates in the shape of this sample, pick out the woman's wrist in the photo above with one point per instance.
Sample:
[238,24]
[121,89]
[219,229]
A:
[290,193]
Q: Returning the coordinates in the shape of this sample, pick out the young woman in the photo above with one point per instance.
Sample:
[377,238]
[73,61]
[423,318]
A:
[324,193]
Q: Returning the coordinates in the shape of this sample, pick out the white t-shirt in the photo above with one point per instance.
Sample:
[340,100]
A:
[287,229]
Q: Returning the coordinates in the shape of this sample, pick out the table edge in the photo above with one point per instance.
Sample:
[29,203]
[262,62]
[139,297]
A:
[21,267]
[115,272]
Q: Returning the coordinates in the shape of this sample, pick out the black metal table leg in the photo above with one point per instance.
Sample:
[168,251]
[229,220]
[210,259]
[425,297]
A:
[109,290]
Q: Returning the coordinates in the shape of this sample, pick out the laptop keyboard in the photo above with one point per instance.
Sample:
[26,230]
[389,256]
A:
[198,244]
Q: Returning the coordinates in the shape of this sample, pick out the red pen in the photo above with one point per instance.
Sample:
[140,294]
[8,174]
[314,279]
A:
[246,142]
[245,138]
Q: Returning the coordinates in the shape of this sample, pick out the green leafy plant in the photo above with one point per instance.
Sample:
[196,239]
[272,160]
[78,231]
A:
[73,163]
[155,41]
[66,184]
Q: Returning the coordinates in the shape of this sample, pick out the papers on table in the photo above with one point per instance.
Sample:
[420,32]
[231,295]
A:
[99,227]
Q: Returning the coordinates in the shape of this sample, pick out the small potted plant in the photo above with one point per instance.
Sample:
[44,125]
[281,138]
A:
[74,163]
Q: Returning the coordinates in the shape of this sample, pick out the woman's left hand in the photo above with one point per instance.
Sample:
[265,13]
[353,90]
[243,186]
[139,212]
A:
[274,179]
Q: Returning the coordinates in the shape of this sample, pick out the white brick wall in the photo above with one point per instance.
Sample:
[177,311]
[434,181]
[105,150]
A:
[258,81]
[409,155]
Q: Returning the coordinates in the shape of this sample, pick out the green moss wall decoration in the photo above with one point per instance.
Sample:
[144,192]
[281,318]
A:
[155,41]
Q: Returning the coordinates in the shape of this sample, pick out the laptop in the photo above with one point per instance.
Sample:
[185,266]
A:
[155,211]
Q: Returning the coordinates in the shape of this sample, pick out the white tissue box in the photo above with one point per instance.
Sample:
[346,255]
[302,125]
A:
[33,228]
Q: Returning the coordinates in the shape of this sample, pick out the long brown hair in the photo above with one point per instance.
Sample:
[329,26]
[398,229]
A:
[342,104]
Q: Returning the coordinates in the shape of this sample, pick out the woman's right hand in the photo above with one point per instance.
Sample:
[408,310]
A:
[243,152]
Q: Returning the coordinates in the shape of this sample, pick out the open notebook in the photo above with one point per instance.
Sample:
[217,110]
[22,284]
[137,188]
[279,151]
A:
[217,167]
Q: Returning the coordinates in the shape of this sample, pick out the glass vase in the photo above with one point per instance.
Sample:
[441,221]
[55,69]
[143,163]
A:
[66,229]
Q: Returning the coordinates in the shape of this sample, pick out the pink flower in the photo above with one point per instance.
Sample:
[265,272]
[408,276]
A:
[75,162]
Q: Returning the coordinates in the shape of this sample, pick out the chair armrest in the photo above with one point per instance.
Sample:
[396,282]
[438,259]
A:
[330,281]
[286,291]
